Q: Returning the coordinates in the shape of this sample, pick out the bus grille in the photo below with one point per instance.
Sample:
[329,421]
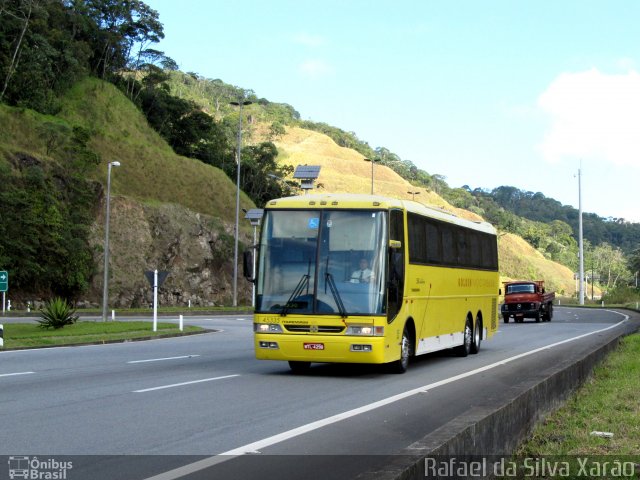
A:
[314,329]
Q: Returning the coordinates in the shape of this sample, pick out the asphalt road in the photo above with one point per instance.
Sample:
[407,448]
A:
[205,404]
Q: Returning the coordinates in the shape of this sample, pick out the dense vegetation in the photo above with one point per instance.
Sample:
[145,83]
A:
[47,210]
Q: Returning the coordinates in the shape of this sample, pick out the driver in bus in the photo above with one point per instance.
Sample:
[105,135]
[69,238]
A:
[362,274]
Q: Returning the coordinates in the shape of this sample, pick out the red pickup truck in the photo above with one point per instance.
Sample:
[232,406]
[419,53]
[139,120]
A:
[527,299]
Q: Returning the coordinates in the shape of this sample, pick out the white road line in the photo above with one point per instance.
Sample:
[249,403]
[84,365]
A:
[185,383]
[14,374]
[281,437]
[162,359]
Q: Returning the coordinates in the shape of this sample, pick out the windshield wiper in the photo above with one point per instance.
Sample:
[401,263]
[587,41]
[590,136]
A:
[336,295]
[304,281]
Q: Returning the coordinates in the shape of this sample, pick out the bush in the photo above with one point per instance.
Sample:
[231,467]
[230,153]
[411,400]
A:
[622,294]
[57,313]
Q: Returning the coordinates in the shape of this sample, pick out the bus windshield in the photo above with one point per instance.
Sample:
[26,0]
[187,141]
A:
[322,262]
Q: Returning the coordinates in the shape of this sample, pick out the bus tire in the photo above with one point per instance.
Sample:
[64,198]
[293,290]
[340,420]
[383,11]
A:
[477,336]
[299,367]
[401,365]
[464,349]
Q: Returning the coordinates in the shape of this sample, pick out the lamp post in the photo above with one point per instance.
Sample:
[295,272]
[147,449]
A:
[105,292]
[413,194]
[372,160]
[240,103]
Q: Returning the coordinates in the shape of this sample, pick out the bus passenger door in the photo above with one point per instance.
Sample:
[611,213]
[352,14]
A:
[395,264]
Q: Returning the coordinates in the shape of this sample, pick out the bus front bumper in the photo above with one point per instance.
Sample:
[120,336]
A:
[321,349]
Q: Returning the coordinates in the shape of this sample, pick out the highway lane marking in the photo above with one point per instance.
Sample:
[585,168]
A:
[162,359]
[255,447]
[14,374]
[184,383]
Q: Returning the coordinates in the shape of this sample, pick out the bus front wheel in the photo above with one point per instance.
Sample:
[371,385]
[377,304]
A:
[401,365]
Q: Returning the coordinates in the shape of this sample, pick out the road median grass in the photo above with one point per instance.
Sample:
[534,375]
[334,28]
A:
[30,335]
[608,403]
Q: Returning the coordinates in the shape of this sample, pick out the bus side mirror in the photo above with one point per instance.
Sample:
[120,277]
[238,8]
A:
[247,265]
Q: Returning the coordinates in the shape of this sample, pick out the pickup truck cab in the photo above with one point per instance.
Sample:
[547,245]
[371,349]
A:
[527,299]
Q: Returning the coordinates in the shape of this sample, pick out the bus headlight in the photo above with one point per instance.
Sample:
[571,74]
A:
[365,330]
[267,328]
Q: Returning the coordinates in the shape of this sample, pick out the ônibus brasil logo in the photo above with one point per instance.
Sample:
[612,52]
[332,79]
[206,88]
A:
[33,468]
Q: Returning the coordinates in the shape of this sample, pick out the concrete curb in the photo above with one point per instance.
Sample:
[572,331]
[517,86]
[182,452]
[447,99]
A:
[107,342]
[472,435]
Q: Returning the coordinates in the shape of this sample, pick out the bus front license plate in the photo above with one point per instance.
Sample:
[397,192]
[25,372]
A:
[314,346]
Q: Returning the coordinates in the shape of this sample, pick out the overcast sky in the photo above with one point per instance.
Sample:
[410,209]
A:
[486,93]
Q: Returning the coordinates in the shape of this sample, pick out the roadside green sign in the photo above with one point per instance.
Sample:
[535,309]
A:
[4,281]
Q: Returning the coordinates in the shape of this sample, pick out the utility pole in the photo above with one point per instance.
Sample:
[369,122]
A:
[580,240]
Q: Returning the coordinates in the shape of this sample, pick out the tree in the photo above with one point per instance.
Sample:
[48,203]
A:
[634,261]
[610,264]
[261,176]
[23,13]
[121,25]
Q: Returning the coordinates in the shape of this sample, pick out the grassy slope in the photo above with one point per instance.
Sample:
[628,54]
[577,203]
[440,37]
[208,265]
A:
[344,170]
[520,261]
[150,171]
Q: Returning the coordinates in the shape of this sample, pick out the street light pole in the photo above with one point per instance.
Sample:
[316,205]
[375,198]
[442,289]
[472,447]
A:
[372,160]
[240,103]
[413,195]
[105,292]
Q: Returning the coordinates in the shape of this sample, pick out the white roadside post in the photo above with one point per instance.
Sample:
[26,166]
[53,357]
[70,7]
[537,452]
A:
[156,279]
[155,300]
[181,323]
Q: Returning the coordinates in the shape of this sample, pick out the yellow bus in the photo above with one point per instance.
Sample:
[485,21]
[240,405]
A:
[350,278]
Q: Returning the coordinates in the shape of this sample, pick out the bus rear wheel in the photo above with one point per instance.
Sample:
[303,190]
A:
[477,336]
[464,349]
